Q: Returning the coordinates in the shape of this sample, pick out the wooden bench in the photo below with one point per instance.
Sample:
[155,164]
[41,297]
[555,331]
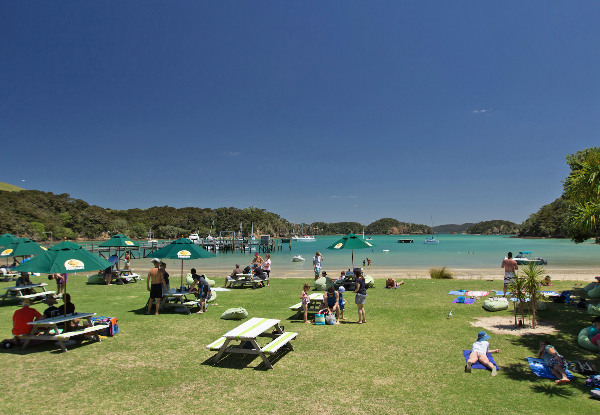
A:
[279,342]
[36,296]
[63,337]
[315,300]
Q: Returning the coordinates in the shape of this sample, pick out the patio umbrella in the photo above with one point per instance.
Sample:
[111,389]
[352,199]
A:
[64,258]
[21,247]
[352,242]
[7,238]
[182,248]
[119,241]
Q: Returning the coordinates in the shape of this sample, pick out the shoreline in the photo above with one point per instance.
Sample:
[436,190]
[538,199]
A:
[556,273]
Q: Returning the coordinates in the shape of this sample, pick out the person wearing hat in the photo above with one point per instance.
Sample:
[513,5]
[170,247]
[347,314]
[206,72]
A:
[479,353]
[257,261]
[155,283]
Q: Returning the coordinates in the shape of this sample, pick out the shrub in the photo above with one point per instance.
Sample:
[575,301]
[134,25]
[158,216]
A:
[440,273]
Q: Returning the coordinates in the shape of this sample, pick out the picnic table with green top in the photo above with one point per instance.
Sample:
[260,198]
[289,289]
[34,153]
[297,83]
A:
[182,300]
[247,279]
[51,329]
[315,301]
[247,334]
[19,292]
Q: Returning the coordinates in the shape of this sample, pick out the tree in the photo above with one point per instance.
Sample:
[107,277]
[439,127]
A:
[582,188]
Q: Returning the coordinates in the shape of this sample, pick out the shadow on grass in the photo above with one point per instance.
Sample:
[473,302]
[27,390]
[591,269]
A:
[241,361]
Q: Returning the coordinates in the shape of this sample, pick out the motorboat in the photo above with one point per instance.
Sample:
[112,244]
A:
[405,241]
[522,259]
[195,238]
[298,258]
[303,238]
[431,241]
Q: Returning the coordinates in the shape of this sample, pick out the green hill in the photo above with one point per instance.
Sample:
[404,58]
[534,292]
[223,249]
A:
[9,187]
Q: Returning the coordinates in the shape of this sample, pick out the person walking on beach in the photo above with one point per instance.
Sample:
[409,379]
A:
[361,296]
[317,261]
[155,276]
[510,266]
[266,267]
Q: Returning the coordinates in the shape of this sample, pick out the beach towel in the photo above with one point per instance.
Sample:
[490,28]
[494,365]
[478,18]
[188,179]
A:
[467,301]
[478,365]
[476,293]
[457,292]
[541,370]
[499,292]
[220,289]
[549,293]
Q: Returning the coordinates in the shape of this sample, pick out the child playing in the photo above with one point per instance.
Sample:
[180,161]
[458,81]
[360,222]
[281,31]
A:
[341,291]
[479,353]
[305,301]
[556,363]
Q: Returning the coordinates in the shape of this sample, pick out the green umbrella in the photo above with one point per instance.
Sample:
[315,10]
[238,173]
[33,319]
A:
[352,242]
[119,241]
[64,258]
[182,248]
[7,238]
[22,247]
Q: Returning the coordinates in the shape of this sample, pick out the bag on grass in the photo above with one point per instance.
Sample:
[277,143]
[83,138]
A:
[237,313]
[320,319]
[330,319]
[582,367]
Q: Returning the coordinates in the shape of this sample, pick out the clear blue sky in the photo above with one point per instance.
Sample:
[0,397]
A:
[315,110]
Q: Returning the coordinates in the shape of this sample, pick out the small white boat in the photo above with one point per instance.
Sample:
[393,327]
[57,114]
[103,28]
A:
[522,259]
[298,258]
[195,238]
[431,241]
[386,250]
[303,238]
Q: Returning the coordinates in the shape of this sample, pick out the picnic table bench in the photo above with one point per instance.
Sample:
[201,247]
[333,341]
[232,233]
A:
[125,274]
[17,292]
[247,333]
[316,299]
[180,300]
[49,330]
[247,280]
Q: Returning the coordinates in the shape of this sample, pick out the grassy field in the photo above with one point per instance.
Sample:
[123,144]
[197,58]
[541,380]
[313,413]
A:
[406,360]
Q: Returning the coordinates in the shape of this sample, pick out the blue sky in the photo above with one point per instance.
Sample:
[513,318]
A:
[333,111]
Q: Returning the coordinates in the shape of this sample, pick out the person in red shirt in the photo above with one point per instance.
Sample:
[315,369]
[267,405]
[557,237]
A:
[23,316]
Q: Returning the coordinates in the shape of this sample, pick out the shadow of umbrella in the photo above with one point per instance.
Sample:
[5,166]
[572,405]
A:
[184,249]
[64,258]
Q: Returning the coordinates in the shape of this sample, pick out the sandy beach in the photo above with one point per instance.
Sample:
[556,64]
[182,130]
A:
[567,274]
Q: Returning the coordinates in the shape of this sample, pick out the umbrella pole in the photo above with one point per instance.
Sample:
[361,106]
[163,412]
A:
[181,275]
[353,260]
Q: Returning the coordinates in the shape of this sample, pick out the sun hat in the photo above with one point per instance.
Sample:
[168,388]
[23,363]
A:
[156,260]
[481,336]
[256,254]
[341,289]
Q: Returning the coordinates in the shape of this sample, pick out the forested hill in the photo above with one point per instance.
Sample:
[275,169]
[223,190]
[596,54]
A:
[452,228]
[494,227]
[40,215]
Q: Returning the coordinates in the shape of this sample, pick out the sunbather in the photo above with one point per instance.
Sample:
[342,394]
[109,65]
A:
[391,283]
[556,363]
[479,353]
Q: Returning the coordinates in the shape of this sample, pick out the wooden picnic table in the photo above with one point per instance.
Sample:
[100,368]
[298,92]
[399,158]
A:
[247,333]
[10,276]
[247,280]
[180,300]
[17,292]
[124,274]
[48,329]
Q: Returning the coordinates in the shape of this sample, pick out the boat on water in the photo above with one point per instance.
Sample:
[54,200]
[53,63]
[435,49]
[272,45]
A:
[522,259]
[303,238]
[298,258]
[405,241]
[431,241]
[195,238]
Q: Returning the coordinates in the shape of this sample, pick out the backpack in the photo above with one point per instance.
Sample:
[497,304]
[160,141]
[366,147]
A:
[582,367]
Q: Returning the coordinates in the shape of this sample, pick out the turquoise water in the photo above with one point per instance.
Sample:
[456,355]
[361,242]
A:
[455,251]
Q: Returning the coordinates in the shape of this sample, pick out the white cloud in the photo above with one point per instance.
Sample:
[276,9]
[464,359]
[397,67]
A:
[482,111]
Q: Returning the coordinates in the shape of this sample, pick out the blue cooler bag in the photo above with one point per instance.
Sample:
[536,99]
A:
[113,325]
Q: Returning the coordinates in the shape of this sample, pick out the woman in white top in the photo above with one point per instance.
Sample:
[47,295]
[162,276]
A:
[266,266]
[317,260]
[479,353]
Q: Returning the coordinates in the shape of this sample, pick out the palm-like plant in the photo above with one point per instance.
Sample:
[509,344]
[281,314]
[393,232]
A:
[517,289]
[532,276]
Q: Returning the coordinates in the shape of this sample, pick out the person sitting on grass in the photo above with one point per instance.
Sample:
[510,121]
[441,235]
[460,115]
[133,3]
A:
[594,331]
[479,353]
[391,283]
[331,303]
[556,363]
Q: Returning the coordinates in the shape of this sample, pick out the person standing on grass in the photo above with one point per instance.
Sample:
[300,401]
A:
[317,262]
[163,268]
[266,267]
[556,363]
[361,296]
[127,260]
[305,301]
[510,266]
[155,276]
[479,353]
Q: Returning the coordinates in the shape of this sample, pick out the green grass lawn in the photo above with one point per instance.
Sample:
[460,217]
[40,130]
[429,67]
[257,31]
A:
[406,359]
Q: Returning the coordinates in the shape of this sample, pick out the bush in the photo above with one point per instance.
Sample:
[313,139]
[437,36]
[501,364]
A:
[440,273]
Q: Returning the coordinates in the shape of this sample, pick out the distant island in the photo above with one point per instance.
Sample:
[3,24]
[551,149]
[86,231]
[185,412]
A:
[44,215]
